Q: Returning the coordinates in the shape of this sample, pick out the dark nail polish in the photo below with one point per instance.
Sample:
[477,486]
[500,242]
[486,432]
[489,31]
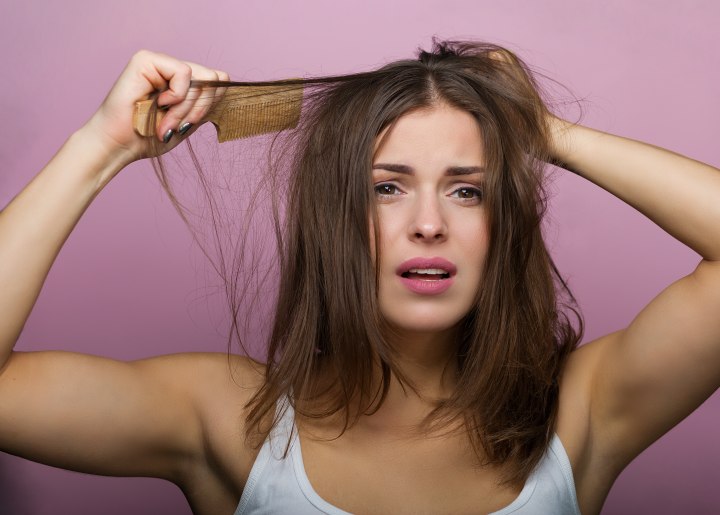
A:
[168,135]
[184,128]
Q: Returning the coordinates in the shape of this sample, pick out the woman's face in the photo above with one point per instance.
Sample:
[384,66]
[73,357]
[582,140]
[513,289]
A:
[428,180]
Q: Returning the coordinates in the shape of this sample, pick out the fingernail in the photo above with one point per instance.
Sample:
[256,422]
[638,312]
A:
[168,135]
[184,128]
[164,108]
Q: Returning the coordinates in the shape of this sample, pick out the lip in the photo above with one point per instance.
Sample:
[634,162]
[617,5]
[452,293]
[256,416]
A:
[427,286]
[427,262]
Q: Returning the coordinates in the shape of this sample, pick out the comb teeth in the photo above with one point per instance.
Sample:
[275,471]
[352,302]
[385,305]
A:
[242,121]
[242,112]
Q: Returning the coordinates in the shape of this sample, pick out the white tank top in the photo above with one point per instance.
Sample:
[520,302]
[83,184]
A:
[280,486]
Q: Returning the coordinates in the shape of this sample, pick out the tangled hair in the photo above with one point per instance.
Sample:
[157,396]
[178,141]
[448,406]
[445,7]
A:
[514,341]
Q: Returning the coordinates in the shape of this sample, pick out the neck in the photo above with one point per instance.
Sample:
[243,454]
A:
[428,360]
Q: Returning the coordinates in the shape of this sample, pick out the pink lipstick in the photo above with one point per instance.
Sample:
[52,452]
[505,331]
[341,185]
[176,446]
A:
[427,276]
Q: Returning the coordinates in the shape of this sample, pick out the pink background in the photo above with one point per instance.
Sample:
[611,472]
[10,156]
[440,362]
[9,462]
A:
[130,284]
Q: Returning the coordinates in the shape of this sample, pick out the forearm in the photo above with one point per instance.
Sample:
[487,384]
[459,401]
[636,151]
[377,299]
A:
[679,194]
[36,223]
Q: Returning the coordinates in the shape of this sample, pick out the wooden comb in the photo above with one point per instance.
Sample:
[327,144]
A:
[242,112]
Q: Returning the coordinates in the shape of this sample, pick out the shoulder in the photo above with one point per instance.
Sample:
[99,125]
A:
[207,377]
[219,385]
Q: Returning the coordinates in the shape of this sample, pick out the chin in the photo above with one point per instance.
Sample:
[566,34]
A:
[422,321]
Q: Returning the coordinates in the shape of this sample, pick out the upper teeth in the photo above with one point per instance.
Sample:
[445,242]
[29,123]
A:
[426,271]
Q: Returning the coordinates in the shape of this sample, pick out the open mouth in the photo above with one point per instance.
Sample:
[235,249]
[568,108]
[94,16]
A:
[426,275]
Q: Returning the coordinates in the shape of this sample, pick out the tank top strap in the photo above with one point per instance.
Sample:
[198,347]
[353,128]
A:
[278,437]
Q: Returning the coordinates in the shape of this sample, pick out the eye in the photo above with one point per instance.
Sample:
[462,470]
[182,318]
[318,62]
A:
[386,190]
[468,194]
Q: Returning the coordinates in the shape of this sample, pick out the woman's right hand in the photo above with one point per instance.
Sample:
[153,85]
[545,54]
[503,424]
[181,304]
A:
[147,73]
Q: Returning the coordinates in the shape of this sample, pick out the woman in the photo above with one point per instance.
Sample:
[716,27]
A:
[420,349]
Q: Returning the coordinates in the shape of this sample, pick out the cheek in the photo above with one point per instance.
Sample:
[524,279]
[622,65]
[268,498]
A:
[475,240]
[386,234]
[479,245]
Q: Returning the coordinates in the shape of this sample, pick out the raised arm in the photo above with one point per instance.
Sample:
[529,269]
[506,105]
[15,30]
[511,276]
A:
[83,412]
[648,377]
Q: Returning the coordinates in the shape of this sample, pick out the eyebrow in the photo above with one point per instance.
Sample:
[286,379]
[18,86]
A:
[452,170]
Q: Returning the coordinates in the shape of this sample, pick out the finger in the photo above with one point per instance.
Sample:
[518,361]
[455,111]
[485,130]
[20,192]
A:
[224,77]
[166,74]
[501,55]
[216,94]
[209,96]
[170,76]
[193,108]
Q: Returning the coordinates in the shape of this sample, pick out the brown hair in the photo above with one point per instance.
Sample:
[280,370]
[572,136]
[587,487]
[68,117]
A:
[515,340]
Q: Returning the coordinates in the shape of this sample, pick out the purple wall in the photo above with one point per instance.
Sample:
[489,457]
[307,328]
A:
[129,284]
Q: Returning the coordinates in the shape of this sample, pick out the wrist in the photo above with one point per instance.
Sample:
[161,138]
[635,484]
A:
[560,134]
[103,158]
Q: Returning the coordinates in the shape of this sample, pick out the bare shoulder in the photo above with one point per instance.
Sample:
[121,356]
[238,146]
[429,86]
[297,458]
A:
[210,373]
[220,386]
[209,379]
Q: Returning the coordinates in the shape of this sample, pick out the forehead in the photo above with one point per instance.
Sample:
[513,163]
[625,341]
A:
[438,134]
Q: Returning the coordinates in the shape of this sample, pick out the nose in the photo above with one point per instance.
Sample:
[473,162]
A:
[427,222]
